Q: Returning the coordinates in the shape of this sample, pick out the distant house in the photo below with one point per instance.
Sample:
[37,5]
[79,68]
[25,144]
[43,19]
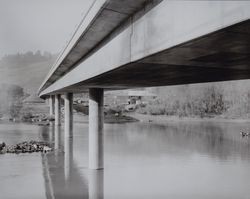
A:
[137,96]
[129,97]
[34,99]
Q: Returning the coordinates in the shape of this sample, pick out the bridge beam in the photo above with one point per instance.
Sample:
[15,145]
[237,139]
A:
[58,109]
[96,128]
[51,105]
[68,115]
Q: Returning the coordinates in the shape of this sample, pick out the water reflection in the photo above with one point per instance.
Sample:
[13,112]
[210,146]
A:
[68,157]
[220,141]
[176,160]
[63,178]
[96,184]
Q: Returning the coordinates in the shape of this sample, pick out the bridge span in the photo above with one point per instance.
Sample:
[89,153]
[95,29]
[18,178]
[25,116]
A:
[123,44]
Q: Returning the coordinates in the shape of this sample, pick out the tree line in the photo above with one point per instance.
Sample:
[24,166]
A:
[227,99]
[27,58]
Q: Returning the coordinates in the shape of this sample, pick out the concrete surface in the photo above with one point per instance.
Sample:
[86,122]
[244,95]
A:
[176,42]
[96,115]
[93,32]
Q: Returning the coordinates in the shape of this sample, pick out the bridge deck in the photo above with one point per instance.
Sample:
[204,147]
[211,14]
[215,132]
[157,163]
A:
[168,45]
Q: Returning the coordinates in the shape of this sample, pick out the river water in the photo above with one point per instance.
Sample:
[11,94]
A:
[177,160]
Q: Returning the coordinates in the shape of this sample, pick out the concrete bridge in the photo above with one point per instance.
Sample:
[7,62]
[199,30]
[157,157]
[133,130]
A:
[123,44]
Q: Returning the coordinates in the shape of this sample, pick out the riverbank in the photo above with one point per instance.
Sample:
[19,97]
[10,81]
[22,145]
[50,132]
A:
[111,119]
[161,119]
[26,147]
[137,117]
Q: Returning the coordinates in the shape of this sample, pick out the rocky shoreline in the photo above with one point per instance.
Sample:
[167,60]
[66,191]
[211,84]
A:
[26,147]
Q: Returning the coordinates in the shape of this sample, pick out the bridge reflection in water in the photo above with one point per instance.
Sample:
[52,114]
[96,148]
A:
[62,176]
[148,160]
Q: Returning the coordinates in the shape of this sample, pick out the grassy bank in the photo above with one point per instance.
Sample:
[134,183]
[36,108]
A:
[162,119]
[201,101]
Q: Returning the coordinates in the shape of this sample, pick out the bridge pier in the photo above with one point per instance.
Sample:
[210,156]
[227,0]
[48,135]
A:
[58,109]
[51,105]
[68,115]
[96,128]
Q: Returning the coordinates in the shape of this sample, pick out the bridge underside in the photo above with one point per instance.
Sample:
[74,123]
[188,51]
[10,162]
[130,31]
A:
[219,56]
[169,45]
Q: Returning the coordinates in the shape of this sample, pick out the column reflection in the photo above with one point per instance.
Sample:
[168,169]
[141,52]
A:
[96,184]
[68,156]
[63,178]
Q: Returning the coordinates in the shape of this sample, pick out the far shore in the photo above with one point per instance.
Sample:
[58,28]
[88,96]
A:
[145,118]
[160,119]
[82,118]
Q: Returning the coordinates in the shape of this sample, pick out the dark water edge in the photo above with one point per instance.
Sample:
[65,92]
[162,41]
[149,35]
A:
[142,160]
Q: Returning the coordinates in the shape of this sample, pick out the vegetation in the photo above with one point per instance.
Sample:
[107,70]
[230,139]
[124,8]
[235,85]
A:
[227,99]
[25,69]
[24,59]
[21,75]
[11,100]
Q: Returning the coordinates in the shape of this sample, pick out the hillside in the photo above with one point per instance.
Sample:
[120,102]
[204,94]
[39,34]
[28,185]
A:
[26,70]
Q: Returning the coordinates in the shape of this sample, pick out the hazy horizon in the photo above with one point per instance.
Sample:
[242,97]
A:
[31,25]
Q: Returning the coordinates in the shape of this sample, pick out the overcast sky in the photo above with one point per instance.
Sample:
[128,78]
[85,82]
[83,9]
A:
[46,25]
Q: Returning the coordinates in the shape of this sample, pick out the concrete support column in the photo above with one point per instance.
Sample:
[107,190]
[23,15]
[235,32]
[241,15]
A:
[96,128]
[51,105]
[57,109]
[68,114]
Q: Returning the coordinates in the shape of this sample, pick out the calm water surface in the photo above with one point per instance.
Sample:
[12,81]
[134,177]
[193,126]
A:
[178,160]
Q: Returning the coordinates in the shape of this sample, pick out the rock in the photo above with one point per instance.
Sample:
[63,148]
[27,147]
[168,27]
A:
[43,124]
[243,134]
[34,146]
[46,149]
[2,146]
[26,147]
